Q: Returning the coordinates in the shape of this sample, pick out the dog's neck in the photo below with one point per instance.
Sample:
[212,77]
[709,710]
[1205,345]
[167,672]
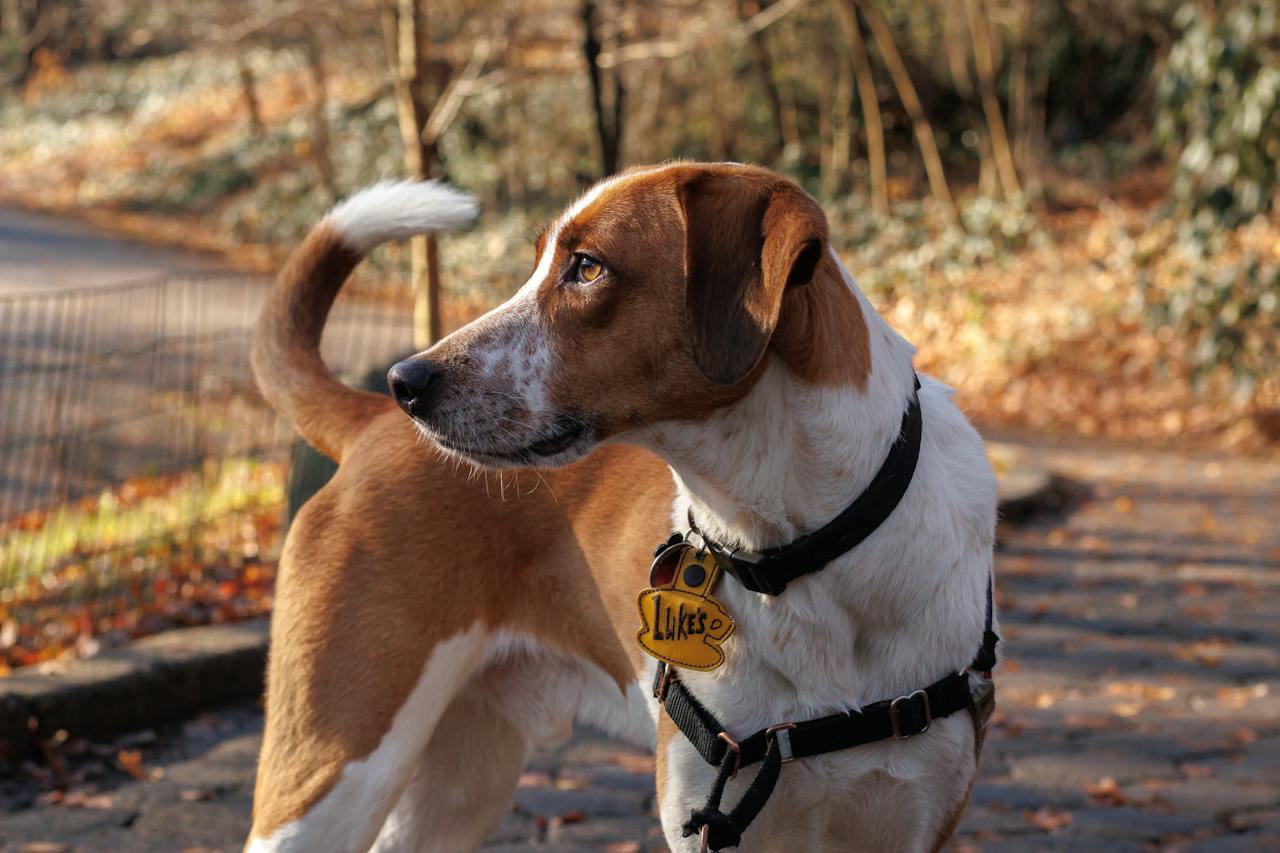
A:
[790,455]
[785,460]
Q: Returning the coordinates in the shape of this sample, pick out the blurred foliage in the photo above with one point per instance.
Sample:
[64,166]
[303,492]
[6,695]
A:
[150,554]
[1219,290]
[1219,109]
[1127,285]
[1218,117]
[908,253]
[1103,252]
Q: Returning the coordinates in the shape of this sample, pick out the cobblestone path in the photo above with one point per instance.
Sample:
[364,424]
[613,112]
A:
[1139,704]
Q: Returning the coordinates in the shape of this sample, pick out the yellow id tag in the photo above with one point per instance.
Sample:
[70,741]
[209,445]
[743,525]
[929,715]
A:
[682,624]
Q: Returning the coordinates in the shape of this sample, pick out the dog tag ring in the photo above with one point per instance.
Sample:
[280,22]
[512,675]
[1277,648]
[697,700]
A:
[681,624]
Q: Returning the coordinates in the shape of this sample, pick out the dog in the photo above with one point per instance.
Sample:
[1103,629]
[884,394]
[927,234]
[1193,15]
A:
[689,313]
[418,618]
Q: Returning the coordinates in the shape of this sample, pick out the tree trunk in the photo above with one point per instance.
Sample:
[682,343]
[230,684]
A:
[826,102]
[1020,91]
[402,26]
[722,139]
[249,89]
[320,147]
[870,101]
[12,21]
[649,119]
[607,93]
[836,173]
[911,101]
[955,43]
[984,61]
[762,65]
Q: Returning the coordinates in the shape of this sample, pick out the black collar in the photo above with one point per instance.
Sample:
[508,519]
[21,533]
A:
[770,571]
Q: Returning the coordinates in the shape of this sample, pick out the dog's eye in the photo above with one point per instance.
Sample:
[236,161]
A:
[587,269]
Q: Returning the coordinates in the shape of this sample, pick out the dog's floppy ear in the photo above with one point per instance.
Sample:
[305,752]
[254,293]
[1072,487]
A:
[746,242]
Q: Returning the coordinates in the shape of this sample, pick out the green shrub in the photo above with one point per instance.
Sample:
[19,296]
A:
[1219,109]
[1218,118]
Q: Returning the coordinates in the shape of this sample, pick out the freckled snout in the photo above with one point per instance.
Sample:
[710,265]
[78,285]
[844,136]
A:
[415,383]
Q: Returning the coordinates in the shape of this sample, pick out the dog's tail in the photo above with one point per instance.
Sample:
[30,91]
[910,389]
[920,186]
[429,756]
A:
[286,345]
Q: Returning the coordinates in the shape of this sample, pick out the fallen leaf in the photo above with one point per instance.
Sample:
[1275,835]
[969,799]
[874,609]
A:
[1048,818]
[634,763]
[568,818]
[1243,735]
[130,762]
[533,780]
[1106,792]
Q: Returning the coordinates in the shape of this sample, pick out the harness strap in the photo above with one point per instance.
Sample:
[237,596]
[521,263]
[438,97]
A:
[769,572]
[986,659]
[903,718]
[720,830]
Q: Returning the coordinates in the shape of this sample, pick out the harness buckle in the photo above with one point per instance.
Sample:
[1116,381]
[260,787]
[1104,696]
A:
[737,752]
[749,568]
[895,715]
[782,734]
[704,838]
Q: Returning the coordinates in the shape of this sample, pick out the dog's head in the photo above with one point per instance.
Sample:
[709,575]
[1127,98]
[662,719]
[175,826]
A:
[653,298]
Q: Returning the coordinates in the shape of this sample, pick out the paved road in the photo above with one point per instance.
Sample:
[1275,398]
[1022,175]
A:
[119,358]
[1139,706]
[39,252]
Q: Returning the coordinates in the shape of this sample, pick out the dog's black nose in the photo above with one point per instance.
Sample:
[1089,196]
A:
[413,382]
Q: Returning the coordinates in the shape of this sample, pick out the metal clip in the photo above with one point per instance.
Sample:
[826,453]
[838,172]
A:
[895,720]
[782,734]
[661,693]
[737,751]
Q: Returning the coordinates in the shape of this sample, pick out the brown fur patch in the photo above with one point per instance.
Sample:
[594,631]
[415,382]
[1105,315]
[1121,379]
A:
[286,347]
[667,732]
[398,553]
[675,280]
[822,335]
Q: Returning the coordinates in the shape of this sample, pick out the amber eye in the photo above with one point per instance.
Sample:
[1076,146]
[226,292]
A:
[588,269]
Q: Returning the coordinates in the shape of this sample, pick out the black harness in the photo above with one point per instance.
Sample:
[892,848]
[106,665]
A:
[769,572]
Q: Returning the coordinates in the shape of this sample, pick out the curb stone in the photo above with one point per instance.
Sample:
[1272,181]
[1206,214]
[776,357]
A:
[167,676]
[179,673]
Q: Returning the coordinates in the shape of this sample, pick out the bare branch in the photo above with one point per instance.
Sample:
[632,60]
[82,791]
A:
[696,38]
[446,109]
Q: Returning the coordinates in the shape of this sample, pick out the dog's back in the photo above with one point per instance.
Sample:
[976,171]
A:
[423,611]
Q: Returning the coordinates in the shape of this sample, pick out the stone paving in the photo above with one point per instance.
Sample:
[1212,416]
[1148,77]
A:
[1139,702]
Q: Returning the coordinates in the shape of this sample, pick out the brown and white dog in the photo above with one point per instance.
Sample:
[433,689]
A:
[426,637]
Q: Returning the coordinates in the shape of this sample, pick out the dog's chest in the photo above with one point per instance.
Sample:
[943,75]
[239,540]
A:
[827,645]
[888,796]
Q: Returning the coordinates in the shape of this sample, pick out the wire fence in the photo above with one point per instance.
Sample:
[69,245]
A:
[142,476]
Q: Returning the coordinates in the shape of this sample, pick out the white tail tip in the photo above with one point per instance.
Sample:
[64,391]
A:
[395,210]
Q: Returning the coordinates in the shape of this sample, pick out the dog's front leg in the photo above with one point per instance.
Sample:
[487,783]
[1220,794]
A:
[313,796]
[463,783]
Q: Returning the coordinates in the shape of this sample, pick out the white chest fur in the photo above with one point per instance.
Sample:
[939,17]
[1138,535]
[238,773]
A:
[896,613]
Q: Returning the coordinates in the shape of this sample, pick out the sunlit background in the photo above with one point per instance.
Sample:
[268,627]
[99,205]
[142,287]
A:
[1068,207]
